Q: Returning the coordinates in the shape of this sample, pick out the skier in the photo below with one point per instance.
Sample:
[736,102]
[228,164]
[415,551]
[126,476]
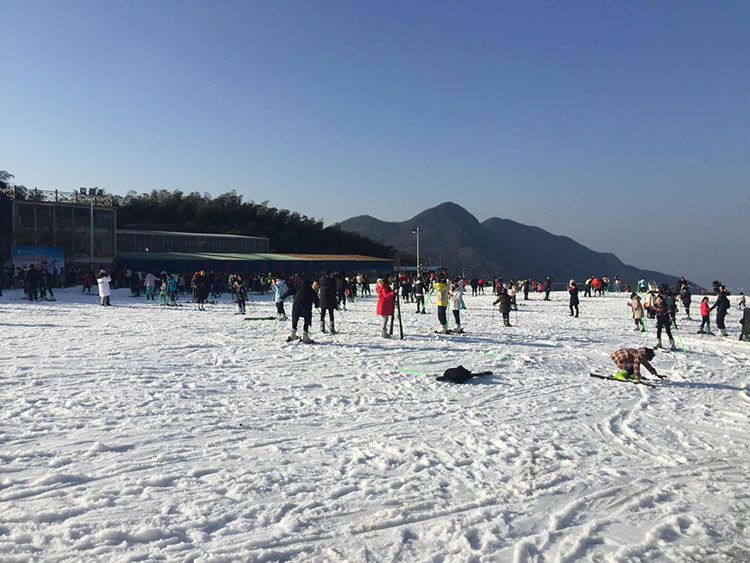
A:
[201,286]
[686,297]
[547,287]
[504,299]
[474,283]
[573,290]
[741,303]
[279,288]
[419,294]
[745,322]
[722,307]
[617,284]
[457,293]
[342,288]
[103,280]
[240,294]
[630,360]
[635,305]
[642,285]
[442,294]
[327,300]
[663,321]
[87,283]
[589,281]
[304,299]
[386,304]
[150,284]
[705,317]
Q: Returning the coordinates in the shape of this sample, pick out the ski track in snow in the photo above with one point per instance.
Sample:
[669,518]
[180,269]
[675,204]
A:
[140,432]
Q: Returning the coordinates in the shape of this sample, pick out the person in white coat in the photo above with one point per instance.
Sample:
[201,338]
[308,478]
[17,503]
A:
[104,280]
[457,297]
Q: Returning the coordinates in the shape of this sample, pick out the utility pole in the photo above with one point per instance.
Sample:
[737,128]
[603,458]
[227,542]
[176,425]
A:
[416,231]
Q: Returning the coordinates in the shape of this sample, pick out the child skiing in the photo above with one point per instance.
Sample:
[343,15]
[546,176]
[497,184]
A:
[705,319]
[635,305]
[504,299]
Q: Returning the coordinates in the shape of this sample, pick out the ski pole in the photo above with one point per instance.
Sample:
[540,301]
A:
[275,322]
[429,296]
[674,324]
[645,326]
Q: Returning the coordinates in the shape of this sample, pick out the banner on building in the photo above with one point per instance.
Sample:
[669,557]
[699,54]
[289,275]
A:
[50,258]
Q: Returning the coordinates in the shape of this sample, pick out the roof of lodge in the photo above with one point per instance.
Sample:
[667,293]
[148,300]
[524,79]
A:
[256,257]
[178,233]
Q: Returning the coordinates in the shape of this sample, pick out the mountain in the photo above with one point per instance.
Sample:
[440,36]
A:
[455,239]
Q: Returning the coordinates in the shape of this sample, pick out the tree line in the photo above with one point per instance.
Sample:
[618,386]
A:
[288,231]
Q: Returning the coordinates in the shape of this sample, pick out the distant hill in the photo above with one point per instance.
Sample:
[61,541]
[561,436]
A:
[454,238]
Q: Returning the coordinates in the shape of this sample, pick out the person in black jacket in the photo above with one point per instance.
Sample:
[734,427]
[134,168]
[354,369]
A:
[419,294]
[573,290]
[328,301]
[202,287]
[722,306]
[304,299]
[342,286]
[686,298]
[547,287]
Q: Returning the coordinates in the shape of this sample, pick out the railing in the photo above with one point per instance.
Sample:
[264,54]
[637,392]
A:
[56,196]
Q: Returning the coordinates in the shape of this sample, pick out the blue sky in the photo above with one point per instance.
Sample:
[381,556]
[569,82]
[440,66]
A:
[623,125]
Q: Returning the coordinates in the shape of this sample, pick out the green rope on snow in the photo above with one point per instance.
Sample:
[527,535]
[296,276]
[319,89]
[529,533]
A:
[404,370]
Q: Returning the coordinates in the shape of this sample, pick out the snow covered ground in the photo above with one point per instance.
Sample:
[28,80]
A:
[146,433]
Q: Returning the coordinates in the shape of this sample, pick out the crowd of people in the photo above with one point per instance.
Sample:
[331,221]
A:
[331,291]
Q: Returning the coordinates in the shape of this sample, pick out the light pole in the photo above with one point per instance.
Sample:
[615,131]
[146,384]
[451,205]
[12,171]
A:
[416,231]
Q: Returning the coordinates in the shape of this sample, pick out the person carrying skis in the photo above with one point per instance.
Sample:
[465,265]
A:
[630,360]
[573,291]
[457,294]
[722,307]
[304,299]
[442,295]
[386,304]
[635,305]
[327,300]
[504,299]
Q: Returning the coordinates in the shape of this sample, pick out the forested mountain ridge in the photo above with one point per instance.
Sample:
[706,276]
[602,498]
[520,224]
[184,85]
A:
[287,230]
[455,239]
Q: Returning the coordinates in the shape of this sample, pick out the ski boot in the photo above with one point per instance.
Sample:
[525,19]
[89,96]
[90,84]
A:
[306,338]
[672,346]
[443,329]
[323,327]
[722,332]
[333,328]
[292,336]
[384,334]
[622,375]
[458,329]
[658,343]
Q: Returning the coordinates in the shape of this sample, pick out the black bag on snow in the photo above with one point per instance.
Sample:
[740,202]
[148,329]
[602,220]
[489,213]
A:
[459,375]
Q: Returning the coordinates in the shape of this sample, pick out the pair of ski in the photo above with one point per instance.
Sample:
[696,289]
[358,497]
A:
[450,332]
[643,381]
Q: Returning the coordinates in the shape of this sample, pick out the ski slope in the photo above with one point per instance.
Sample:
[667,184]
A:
[147,433]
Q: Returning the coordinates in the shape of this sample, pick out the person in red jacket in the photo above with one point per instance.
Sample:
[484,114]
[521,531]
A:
[705,312]
[386,304]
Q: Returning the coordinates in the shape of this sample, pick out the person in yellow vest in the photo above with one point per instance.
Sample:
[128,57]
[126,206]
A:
[442,300]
